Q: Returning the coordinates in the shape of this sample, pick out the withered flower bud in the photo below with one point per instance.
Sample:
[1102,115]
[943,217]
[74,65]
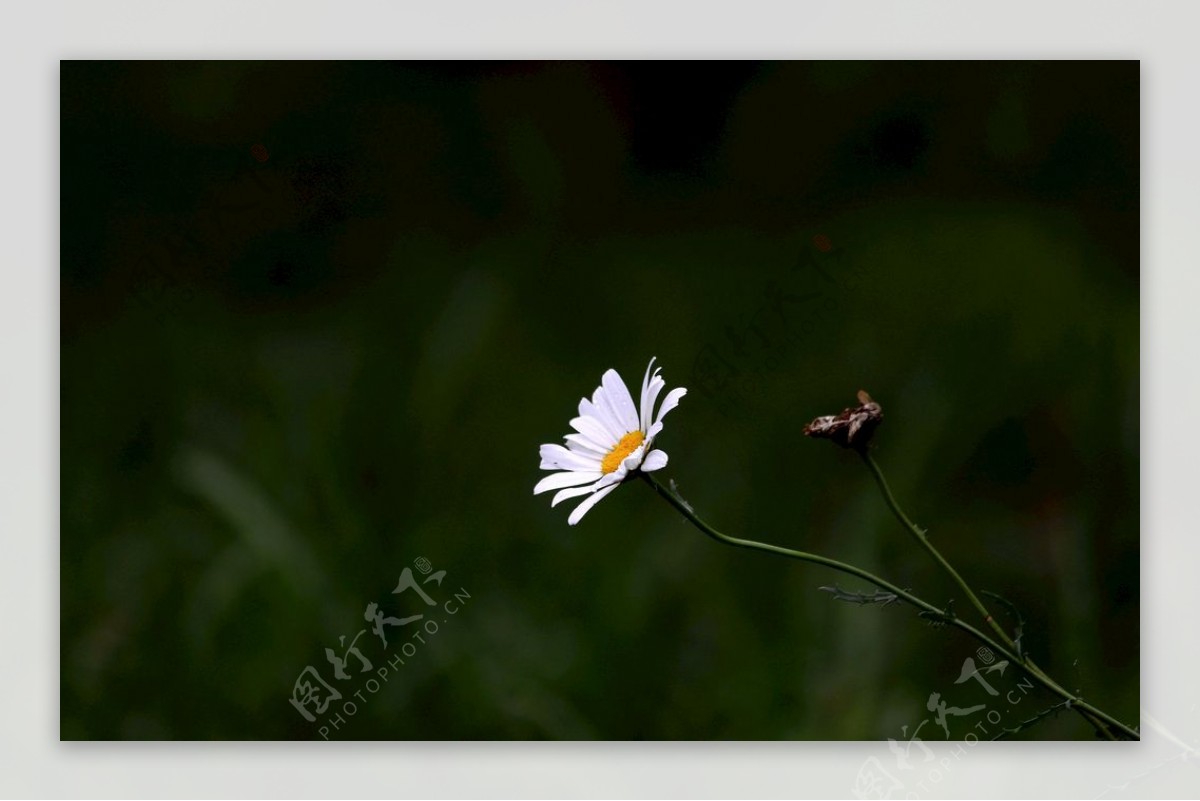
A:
[852,428]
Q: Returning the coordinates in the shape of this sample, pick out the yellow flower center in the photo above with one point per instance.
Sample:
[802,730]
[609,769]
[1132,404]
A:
[628,444]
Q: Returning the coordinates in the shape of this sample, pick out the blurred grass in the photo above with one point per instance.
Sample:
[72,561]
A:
[283,380]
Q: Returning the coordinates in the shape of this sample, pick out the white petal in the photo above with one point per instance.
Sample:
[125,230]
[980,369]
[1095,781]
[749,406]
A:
[574,492]
[670,402]
[644,408]
[646,377]
[615,477]
[603,418]
[571,478]
[596,431]
[634,459]
[655,460]
[593,499]
[620,400]
[604,413]
[557,457]
[655,387]
[584,446]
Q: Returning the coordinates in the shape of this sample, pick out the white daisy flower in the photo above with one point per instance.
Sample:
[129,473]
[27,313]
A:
[612,440]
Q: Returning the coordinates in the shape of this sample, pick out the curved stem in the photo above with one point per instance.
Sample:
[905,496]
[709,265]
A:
[919,535]
[1097,718]
[1006,650]
[815,559]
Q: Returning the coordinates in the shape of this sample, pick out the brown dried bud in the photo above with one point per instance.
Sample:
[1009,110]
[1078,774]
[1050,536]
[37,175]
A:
[852,428]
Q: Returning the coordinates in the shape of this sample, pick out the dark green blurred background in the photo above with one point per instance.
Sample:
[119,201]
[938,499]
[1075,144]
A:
[318,317]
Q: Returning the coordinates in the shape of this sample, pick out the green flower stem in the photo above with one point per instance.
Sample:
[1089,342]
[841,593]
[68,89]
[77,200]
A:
[921,539]
[825,561]
[1005,650]
[1097,718]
